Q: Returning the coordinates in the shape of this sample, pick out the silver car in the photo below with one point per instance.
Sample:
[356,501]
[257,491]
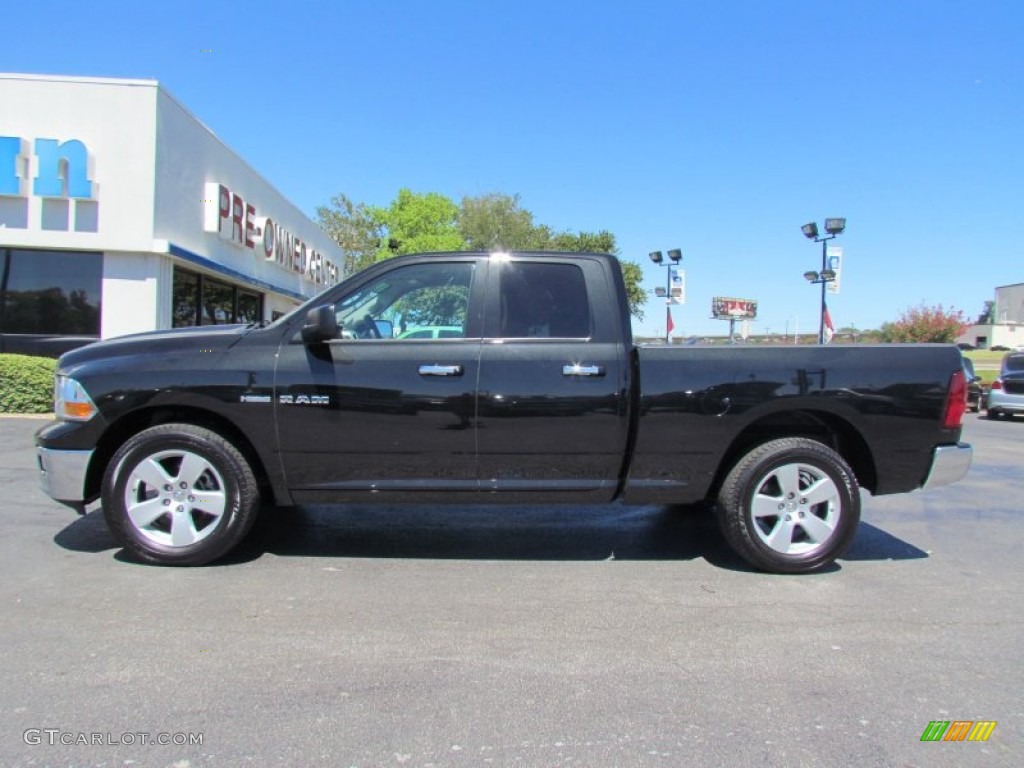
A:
[1006,395]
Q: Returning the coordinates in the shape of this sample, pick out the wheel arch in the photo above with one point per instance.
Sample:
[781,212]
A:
[136,421]
[828,428]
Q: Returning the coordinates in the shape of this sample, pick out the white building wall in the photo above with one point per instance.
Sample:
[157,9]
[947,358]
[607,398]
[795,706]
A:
[190,158]
[277,303]
[149,167]
[116,121]
[1008,328]
[135,293]
[1010,304]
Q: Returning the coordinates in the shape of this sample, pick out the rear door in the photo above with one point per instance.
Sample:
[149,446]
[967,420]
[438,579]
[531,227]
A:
[553,406]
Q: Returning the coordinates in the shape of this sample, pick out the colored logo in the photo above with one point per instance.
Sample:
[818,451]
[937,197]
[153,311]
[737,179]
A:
[958,730]
[62,168]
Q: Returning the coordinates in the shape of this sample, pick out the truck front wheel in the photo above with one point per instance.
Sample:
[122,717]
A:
[178,494]
[789,506]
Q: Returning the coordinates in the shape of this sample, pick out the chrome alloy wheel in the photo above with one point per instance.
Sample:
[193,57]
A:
[175,498]
[795,509]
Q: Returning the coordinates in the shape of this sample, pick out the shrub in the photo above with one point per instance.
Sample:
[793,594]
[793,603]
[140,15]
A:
[26,384]
[925,324]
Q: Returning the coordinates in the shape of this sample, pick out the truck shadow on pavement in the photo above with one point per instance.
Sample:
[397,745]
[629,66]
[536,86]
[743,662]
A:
[464,532]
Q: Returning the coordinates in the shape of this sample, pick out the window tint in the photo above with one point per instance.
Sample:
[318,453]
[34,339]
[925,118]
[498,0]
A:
[420,301]
[218,303]
[184,298]
[248,307]
[203,300]
[50,292]
[543,301]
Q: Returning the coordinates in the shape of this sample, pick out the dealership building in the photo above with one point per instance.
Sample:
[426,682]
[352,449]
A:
[1004,326]
[120,212]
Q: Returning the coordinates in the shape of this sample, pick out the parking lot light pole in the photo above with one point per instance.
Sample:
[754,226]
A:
[834,227]
[675,256]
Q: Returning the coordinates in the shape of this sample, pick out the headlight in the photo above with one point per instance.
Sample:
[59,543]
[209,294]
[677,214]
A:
[70,400]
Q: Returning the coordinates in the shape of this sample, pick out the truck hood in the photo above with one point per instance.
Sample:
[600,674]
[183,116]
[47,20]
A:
[207,341]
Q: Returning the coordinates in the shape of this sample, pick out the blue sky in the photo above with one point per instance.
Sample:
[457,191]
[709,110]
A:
[714,127]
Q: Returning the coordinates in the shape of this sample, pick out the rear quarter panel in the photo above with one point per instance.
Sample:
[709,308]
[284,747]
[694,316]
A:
[881,406]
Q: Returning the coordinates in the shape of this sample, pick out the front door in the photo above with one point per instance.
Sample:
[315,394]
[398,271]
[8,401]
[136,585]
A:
[390,406]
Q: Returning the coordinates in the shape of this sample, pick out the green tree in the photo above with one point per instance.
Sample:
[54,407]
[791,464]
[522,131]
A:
[417,223]
[583,242]
[497,222]
[445,305]
[924,324]
[604,242]
[988,313]
[633,275]
[354,228]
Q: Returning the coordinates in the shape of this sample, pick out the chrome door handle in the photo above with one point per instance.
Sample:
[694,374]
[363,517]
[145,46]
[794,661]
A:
[582,370]
[440,370]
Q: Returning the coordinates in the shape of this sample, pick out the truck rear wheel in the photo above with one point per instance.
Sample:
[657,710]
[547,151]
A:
[789,506]
[178,494]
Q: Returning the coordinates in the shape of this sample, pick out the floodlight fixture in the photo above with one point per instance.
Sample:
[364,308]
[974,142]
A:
[828,275]
[676,255]
[810,230]
[811,277]
[835,226]
[655,256]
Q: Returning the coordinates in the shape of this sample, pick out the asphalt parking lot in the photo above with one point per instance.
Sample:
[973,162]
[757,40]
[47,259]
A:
[579,636]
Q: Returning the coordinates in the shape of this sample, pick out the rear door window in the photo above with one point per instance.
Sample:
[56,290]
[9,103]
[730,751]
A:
[543,301]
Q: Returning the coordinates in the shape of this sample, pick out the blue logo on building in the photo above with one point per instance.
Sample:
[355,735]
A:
[45,184]
[61,168]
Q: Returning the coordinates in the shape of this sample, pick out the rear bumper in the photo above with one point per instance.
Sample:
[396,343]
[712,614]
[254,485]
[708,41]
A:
[949,464]
[999,400]
[62,474]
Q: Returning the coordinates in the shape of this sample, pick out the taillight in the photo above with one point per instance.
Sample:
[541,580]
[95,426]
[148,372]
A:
[956,400]
[997,384]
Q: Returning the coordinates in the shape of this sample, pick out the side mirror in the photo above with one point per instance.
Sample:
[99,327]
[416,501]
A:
[321,325]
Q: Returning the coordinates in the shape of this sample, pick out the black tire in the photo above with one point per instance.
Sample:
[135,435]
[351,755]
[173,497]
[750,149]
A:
[766,517]
[178,494]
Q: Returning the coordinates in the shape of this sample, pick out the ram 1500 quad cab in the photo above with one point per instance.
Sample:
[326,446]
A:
[524,387]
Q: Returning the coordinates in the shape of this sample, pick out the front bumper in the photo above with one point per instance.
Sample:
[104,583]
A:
[949,464]
[62,475]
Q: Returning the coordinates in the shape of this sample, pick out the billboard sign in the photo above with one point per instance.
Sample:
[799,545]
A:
[729,308]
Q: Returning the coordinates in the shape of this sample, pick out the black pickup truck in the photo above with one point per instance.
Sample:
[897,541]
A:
[492,378]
